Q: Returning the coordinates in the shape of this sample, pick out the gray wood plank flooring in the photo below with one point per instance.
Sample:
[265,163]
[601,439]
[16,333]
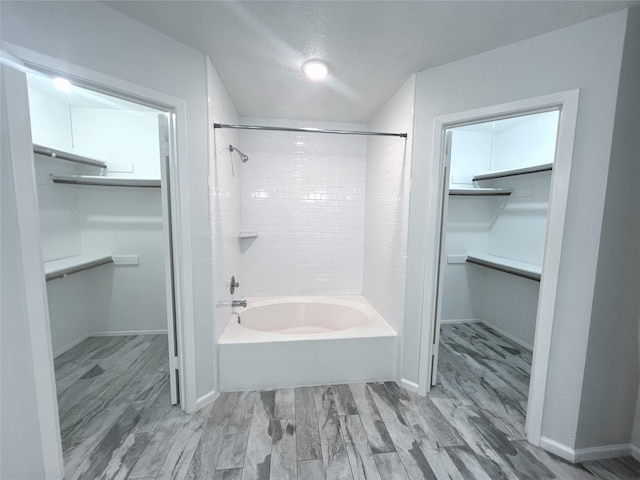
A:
[117,422]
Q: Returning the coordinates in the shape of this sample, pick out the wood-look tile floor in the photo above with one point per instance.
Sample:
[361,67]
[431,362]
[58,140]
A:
[117,423]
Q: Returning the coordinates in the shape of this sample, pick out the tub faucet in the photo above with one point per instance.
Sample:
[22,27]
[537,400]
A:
[239,303]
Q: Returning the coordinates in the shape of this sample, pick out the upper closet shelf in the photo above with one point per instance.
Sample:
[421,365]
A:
[514,172]
[247,234]
[70,157]
[479,192]
[514,267]
[67,266]
[105,181]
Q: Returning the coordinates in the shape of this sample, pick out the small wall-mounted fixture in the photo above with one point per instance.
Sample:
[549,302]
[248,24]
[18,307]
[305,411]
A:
[233,284]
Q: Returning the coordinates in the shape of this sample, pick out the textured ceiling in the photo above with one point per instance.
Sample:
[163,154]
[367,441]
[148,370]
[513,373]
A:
[371,47]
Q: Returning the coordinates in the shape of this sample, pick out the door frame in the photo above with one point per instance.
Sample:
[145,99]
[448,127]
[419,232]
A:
[178,201]
[567,103]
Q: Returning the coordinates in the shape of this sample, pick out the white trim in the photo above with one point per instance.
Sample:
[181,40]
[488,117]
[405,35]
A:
[207,399]
[180,197]
[124,333]
[558,197]
[558,449]
[588,454]
[409,385]
[508,335]
[602,453]
[567,101]
[14,87]
[635,452]
[69,346]
[451,321]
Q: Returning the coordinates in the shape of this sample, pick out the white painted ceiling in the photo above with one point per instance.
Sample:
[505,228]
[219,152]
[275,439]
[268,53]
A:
[371,47]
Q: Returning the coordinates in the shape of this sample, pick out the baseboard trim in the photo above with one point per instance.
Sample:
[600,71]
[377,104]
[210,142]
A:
[122,333]
[602,453]
[558,449]
[635,452]
[587,454]
[206,399]
[510,336]
[409,385]
[460,320]
[60,351]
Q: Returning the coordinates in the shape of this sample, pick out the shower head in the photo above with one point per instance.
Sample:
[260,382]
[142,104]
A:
[243,157]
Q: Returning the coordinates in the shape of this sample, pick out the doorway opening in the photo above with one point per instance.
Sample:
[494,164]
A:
[102,166]
[494,225]
[565,107]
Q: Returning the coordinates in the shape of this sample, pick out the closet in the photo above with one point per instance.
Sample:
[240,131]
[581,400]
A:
[494,222]
[101,196]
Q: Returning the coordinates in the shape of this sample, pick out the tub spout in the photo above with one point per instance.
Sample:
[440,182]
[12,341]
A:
[239,303]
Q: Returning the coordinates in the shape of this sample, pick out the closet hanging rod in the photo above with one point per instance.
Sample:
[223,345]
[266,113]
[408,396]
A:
[70,157]
[78,268]
[519,272]
[308,130]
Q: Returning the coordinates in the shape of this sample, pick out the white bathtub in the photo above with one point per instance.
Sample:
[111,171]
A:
[295,341]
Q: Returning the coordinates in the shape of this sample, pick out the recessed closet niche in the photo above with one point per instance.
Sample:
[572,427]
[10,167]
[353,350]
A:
[495,222]
[98,172]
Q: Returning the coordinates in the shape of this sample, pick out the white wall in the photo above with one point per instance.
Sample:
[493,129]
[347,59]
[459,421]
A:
[29,432]
[612,371]
[387,208]
[224,204]
[585,56]
[94,36]
[304,195]
[20,456]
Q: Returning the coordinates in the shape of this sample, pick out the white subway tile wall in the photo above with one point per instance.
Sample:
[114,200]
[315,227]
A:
[304,195]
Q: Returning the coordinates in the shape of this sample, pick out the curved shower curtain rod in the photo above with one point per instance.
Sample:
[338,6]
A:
[308,130]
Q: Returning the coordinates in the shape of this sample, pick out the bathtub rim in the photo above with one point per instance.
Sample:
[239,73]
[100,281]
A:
[376,326]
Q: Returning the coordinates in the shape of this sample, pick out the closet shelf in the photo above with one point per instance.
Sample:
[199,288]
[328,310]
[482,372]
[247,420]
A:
[69,157]
[479,192]
[513,267]
[514,172]
[247,235]
[66,266]
[106,181]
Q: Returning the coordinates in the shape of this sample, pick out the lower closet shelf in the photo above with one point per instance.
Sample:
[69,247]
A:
[67,266]
[513,267]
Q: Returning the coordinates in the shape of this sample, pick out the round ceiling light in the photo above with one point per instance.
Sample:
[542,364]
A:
[315,69]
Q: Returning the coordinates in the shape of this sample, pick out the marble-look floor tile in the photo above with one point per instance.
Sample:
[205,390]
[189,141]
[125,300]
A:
[374,426]
[412,458]
[390,466]
[624,468]
[257,461]
[284,464]
[311,470]
[117,422]
[363,465]
[285,406]
[236,433]
[307,432]
[334,452]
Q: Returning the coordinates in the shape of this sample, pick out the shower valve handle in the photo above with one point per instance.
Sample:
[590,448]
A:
[233,284]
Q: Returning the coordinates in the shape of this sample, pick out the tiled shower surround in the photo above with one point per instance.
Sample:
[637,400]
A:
[304,195]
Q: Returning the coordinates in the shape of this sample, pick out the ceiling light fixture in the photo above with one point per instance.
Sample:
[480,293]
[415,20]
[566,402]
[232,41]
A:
[315,69]
[62,84]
